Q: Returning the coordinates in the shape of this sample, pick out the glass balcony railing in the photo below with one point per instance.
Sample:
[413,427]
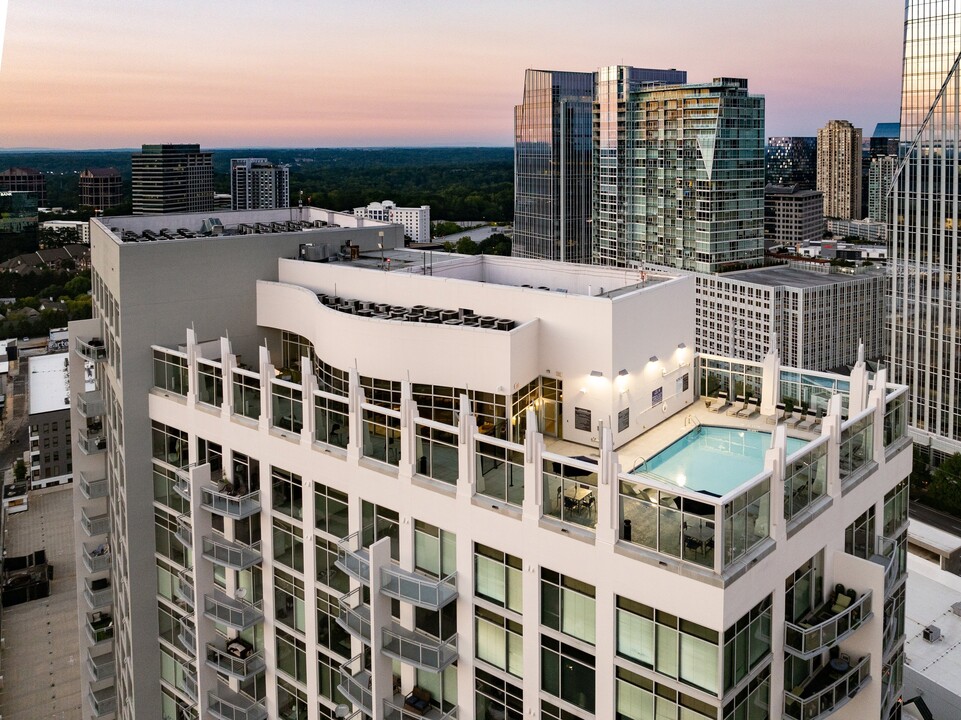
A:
[97,593]
[353,558]
[91,348]
[103,702]
[233,555]
[184,532]
[235,614]
[187,637]
[92,441]
[396,710]
[93,488]
[237,660]
[94,525]
[182,487]
[830,687]
[420,590]
[96,556]
[188,684]
[421,651]
[225,502]
[90,404]
[354,615]
[887,555]
[225,704]
[812,637]
[101,667]
[355,684]
[185,588]
[99,627]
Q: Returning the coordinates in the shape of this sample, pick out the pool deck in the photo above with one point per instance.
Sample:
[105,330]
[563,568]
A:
[655,439]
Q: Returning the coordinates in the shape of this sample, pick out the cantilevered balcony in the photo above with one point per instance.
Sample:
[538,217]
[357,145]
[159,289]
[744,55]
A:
[182,487]
[225,704]
[99,628]
[97,593]
[355,684]
[395,709]
[420,590]
[103,702]
[100,667]
[96,556]
[90,404]
[886,555]
[94,525]
[93,487]
[233,555]
[223,501]
[188,684]
[235,614]
[419,650]
[354,615]
[91,348]
[236,659]
[184,532]
[353,558]
[827,689]
[827,627]
[185,588]
[187,637]
[92,441]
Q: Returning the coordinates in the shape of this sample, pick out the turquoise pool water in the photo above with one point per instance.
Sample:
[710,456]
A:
[713,459]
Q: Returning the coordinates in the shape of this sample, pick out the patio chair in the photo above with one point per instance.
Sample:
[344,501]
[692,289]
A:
[796,417]
[719,403]
[739,404]
[750,409]
[777,416]
[813,418]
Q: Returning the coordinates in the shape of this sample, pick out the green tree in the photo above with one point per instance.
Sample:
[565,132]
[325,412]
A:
[79,285]
[19,471]
[466,246]
[944,490]
[495,244]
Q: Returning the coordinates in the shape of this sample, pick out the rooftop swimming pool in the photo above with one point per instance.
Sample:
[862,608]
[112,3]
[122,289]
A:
[714,460]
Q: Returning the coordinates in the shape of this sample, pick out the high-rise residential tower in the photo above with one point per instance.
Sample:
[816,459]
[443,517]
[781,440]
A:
[258,184]
[839,169]
[880,179]
[791,161]
[171,179]
[925,325]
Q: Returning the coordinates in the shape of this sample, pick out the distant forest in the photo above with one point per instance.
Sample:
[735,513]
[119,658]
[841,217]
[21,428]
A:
[458,183]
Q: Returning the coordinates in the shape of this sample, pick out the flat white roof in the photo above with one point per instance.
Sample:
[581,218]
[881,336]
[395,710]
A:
[931,592]
[50,382]
[932,538]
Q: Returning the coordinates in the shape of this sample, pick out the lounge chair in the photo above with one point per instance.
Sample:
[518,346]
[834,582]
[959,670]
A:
[777,416]
[796,417]
[739,404]
[721,403]
[712,402]
[813,418]
[750,409]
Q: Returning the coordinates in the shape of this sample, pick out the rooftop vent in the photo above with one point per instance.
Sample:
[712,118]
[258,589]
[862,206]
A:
[956,609]
[932,633]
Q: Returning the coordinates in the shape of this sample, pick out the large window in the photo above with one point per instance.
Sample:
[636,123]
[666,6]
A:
[289,545]
[291,656]
[289,600]
[747,643]
[567,605]
[211,377]
[857,446]
[170,371]
[380,522]
[896,508]
[498,578]
[496,698]
[330,510]
[288,493]
[567,673]
[329,634]
[246,393]
[859,535]
[434,550]
[327,572]
[287,406]
[331,423]
[499,641]
[169,444]
[639,698]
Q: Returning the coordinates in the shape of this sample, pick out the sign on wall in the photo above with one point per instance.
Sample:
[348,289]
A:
[582,419]
[657,397]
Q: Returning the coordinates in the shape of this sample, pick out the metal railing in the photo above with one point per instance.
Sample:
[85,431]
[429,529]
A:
[241,668]
[99,597]
[184,532]
[187,637]
[90,404]
[233,555]
[101,667]
[224,503]
[92,441]
[100,630]
[185,587]
[805,640]
[354,616]
[419,650]
[93,489]
[235,614]
[353,558]
[824,702]
[355,684]
[420,590]
[393,711]
[95,525]
[887,555]
[225,704]
[92,348]
[103,701]
[96,558]
[189,685]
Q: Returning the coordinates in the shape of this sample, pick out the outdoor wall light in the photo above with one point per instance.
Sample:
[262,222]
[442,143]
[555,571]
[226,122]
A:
[653,358]
[622,373]
[596,374]
[681,346]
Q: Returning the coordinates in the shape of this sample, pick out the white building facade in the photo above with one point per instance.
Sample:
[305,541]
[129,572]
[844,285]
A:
[416,220]
[258,184]
[424,492]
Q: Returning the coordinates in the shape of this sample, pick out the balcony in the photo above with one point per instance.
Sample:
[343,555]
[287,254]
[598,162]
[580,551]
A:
[91,348]
[421,651]
[99,628]
[354,616]
[823,630]
[187,637]
[185,589]
[97,593]
[101,667]
[189,685]
[225,704]
[237,659]
[223,501]
[233,555]
[103,702]
[184,532]
[420,590]
[353,558]
[96,556]
[396,710]
[886,555]
[182,487]
[94,525]
[235,614]
[92,441]
[830,687]
[355,684]
[93,488]
[90,404]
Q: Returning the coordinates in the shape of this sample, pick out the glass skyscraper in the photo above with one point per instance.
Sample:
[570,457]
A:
[791,161]
[925,295]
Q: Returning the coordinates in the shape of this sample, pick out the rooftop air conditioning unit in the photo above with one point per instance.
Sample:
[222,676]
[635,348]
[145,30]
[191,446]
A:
[956,608]
[932,633]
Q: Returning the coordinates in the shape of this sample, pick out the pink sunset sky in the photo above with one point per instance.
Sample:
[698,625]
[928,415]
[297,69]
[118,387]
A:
[313,73]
